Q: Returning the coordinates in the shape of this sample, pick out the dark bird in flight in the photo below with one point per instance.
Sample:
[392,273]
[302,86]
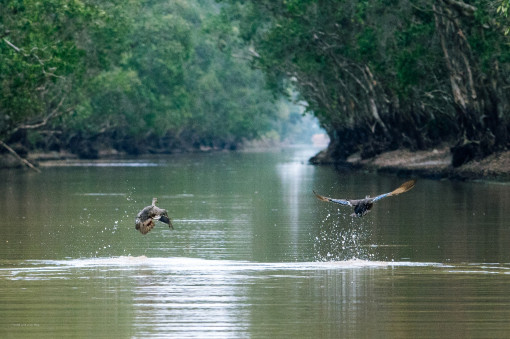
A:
[363,206]
[144,221]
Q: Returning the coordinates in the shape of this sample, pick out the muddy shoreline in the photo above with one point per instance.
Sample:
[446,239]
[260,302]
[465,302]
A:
[432,164]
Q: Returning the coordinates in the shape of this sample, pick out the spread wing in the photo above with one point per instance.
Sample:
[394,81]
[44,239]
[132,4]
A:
[336,201]
[406,186]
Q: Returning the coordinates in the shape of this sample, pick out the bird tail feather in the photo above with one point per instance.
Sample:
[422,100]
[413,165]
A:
[320,197]
[406,186]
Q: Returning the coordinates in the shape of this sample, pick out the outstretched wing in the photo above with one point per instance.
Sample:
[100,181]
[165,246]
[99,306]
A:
[406,186]
[336,201]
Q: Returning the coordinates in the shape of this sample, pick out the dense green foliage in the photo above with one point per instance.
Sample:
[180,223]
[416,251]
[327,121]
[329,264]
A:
[133,75]
[383,74]
[158,76]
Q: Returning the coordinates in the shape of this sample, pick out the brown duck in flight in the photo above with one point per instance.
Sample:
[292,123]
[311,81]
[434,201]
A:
[144,221]
[363,206]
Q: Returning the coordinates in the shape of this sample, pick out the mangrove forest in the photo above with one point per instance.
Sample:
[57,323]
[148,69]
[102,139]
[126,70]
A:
[132,76]
[161,76]
[387,74]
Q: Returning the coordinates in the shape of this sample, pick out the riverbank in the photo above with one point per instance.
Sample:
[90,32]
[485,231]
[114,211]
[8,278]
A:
[40,159]
[61,158]
[434,164]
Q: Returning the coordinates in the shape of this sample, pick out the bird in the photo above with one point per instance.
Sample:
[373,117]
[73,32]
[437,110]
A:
[363,206]
[144,221]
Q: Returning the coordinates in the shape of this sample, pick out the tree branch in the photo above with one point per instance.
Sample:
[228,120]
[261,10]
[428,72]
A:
[45,119]
[17,49]
[17,156]
[466,8]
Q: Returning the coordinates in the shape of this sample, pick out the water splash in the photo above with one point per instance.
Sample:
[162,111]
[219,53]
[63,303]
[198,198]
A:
[342,237]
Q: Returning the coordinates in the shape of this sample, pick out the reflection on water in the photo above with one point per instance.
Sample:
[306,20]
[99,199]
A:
[189,297]
[99,163]
[253,253]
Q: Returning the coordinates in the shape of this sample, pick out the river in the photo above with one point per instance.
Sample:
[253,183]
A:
[253,254]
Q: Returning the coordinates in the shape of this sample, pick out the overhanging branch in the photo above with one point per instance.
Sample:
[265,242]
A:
[20,158]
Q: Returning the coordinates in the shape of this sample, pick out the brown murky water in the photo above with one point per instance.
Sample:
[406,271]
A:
[253,253]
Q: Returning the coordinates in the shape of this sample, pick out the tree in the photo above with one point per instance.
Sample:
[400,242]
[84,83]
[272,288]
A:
[136,76]
[389,73]
[41,62]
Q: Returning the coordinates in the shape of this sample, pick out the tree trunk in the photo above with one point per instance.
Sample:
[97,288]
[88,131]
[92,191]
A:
[477,114]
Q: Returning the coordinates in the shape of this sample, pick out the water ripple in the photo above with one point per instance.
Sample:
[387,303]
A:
[180,265]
